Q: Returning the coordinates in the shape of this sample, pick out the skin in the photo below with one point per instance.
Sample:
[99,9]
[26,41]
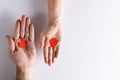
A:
[24,58]
[52,29]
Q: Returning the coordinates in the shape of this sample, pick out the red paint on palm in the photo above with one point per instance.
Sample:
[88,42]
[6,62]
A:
[22,43]
[53,42]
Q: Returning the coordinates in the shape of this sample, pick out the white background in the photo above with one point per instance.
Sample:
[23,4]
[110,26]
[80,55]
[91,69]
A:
[91,44]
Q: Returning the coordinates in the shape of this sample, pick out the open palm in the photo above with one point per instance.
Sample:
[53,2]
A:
[23,57]
[49,32]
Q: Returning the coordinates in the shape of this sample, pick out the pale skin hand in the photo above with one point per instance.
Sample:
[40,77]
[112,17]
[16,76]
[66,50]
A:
[52,30]
[24,58]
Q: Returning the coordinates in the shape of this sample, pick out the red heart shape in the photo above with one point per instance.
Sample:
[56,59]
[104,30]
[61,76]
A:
[53,42]
[22,43]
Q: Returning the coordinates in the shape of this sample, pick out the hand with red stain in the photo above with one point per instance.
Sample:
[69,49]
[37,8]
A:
[21,46]
[51,35]
[50,42]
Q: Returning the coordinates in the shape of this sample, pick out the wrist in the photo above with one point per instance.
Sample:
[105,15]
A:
[24,73]
[55,21]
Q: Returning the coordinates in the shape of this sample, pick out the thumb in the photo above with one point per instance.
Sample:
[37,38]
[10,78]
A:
[11,44]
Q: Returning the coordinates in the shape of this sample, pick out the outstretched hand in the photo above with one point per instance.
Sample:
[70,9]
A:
[23,57]
[49,32]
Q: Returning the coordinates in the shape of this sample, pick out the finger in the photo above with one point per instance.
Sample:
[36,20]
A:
[32,32]
[50,56]
[46,42]
[17,30]
[27,28]
[42,39]
[57,51]
[17,45]
[53,55]
[11,43]
[46,45]
[45,54]
[22,30]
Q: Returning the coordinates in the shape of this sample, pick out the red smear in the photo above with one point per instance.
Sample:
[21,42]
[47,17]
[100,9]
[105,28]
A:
[53,42]
[22,43]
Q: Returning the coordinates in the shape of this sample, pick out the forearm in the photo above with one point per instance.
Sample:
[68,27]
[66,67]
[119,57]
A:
[55,11]
[24,74]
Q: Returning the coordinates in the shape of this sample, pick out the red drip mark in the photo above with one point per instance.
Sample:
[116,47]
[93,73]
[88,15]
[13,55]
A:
[53,42]
[22,43]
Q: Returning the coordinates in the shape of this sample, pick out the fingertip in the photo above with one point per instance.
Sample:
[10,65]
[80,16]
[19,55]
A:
[28,21]
[8,37]
[53,60]
[28,18]
[46,61]
[18,20]
[23,16]
[31,25]
[49,64]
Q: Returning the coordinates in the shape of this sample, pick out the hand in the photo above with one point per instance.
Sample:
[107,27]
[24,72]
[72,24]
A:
[51,31]
[23,57]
